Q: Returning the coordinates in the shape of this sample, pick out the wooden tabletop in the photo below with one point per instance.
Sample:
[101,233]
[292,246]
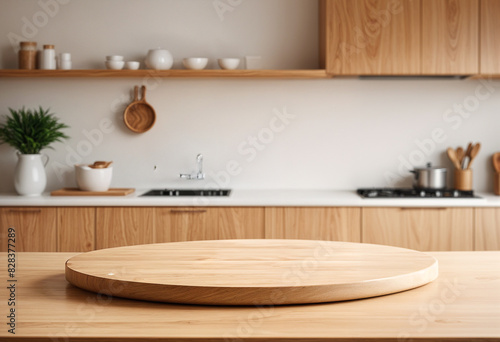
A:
[251,271]
[463,303]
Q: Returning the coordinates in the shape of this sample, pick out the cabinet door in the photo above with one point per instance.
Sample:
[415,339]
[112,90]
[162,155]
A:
[424,229]
[36,229]
[335,224]
[490,33]
[487,229]
[241,223]
[124,226]
[75,229]
[371,37]
[186,224]
[450,37]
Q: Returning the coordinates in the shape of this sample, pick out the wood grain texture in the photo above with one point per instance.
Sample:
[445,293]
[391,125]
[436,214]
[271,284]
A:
[36,228]
[76,229]
[325,223]
[372,37]
[186,224]
[460,305]
[424,229]
[487,229]
[251,272]
[489,33]
[450,37]
[241,223]
[124,226]
[167,73]
[322,9]
[78,192]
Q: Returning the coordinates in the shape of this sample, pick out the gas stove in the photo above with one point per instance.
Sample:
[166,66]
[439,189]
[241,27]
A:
[413,193]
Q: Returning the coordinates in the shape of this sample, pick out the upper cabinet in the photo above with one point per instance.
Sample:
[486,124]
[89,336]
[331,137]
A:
[450,37]
[399,37]
[370,37]
[490,33]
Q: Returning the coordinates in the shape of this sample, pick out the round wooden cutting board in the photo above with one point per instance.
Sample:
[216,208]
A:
[251,272]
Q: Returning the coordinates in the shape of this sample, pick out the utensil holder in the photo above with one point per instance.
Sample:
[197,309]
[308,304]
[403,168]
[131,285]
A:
[463,179]
[496,183]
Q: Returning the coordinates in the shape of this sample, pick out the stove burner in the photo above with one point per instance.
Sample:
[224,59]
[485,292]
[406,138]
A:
[413,193]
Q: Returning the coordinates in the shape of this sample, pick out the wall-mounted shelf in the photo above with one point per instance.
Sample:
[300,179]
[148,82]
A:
[320,73]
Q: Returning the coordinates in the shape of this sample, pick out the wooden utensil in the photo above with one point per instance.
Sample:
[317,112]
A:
[496,162]
[473,154]
[139,116]
[467,156]
[460,155]
[452,154]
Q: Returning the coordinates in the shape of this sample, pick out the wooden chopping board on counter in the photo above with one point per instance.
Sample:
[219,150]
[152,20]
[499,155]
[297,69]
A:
[78,192]
[251,272]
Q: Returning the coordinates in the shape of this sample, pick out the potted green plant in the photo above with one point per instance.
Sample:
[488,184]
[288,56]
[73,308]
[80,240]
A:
[29,132]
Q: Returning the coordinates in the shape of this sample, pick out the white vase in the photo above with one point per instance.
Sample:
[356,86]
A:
[159,59]
[30,178]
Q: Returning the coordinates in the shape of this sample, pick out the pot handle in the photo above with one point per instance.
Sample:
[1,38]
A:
[46,160]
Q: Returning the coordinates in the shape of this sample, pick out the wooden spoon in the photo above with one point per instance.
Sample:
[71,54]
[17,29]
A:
[460,155]
[467,156]
[452,154]
[496,162]
[473,154]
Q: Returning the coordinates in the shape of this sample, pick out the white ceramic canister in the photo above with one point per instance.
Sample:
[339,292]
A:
[48,58]
[159,59]
[64,61]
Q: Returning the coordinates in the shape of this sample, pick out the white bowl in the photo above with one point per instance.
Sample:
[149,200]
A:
[89,179]
[132,65]
[114,65]
[114,58]
[195,63]
[229,63]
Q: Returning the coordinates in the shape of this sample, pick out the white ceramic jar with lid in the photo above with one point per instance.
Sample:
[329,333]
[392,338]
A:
[48,58]
[159,59]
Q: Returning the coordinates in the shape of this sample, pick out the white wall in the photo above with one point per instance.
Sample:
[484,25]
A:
[344,134]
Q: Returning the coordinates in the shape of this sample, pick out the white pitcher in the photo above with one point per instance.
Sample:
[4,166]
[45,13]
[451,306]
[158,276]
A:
[30,178]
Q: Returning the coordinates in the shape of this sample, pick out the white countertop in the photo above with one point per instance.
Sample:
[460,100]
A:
[249,198]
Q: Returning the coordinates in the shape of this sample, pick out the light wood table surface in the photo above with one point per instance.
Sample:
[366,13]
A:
[462,304]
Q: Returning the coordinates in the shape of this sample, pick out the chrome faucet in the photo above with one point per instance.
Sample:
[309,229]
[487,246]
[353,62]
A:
[199,174]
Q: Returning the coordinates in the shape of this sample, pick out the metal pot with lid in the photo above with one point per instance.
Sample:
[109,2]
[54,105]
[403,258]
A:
[429,177]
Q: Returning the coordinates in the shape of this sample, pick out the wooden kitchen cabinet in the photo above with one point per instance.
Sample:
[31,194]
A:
[124,226]
[241,223]
[367,37]
[36,228]
[450,37]
[186,224]
[201,223]
[487,229]
[490,33]
[76,229]
[399,37]
[424,229]
[323,223]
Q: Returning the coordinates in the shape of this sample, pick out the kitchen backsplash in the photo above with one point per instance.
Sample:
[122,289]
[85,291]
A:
[334,134]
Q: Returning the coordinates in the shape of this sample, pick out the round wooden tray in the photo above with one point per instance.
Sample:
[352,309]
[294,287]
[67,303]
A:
[251,272]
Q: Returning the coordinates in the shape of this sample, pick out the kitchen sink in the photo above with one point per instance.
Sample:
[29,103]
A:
[188,192]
